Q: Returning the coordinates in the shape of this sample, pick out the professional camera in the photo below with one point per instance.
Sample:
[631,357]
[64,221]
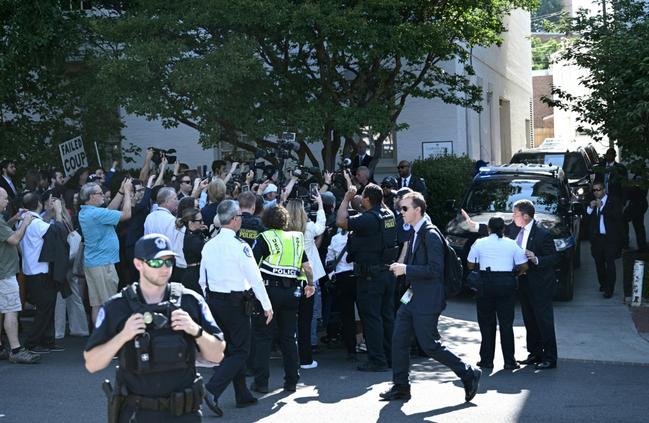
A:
[158,153]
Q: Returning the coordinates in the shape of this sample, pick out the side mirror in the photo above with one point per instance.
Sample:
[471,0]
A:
[450,206]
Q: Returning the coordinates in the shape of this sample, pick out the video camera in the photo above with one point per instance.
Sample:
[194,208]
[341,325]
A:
[158,153]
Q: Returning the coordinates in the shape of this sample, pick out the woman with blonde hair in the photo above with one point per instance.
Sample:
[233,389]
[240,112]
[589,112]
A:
[307,319]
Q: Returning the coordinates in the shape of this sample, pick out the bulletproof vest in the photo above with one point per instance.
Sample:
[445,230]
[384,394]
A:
[379,247]
[250,227]
[159,349]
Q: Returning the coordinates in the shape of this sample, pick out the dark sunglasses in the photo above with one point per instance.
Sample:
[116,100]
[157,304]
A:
[186,181]
[405,208]
[157,263]
[403,167]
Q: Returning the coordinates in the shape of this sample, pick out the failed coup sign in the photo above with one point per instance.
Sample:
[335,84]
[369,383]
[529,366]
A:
[73,155]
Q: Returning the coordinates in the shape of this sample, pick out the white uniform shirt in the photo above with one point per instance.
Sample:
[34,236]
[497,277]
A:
[31,246]
[312,231]
[499,254]
[337,244]
[227,265]
[162,221]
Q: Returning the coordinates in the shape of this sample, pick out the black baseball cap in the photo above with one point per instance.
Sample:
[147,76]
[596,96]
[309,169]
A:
[153,246]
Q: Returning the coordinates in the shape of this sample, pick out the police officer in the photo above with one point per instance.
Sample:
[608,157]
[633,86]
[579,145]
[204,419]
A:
[372,247]
[389,185]
[251,225]
[156,328]
[284,267]
[231,275]
[496,257]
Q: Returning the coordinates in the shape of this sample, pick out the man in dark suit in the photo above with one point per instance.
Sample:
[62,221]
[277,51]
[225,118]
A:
[536,286]
[606,236]
[612,175]
[422,304]
[6,180]
[361,158]
[406,179]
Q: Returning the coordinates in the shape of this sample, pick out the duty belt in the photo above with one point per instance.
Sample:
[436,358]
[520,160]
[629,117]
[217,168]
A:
[284,282]
[178,403]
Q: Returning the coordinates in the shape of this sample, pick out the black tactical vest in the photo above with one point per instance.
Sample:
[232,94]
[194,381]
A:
[159,349]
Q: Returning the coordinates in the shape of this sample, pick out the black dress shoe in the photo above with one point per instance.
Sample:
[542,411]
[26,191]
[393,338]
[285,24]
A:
[512,366]
[546,365]
[369,367]
[213,405]
[601,288]
[485,365]
[257,388]
[397,392]
[471,386]
[532,359]
[247,403]
[290,387]
[608,295]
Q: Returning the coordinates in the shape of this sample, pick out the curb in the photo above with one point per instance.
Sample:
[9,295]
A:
[605,362]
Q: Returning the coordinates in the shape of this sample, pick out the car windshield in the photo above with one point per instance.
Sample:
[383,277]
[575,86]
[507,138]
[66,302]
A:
[499,194]
[573,162]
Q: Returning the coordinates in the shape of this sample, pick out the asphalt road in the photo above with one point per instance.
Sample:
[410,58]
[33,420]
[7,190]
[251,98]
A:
[60,390]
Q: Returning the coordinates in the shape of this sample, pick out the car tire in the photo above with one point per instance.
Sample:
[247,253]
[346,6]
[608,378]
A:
[566,287]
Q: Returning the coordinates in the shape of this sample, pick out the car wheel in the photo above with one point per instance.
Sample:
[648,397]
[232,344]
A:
[566,288]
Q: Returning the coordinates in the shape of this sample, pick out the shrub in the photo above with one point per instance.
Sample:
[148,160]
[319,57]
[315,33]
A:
[447,177]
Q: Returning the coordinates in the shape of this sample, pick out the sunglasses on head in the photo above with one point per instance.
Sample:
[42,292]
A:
[157,263]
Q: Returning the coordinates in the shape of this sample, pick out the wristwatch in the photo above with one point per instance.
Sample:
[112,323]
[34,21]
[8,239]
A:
[199,333]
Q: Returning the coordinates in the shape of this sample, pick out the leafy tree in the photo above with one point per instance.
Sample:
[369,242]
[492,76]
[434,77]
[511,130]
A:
[48,92]
[548,13]
[542,52]
[239,70]
[614,49]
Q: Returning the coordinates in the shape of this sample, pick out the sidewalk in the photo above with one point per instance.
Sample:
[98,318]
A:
[588,328]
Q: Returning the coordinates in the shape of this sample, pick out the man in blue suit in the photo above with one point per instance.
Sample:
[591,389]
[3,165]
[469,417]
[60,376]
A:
[422,304]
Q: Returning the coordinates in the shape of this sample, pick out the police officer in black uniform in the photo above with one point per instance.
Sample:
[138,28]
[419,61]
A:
[372,246]
[251,225]
[157,328]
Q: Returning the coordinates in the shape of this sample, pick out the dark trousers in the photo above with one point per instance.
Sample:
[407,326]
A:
[304,317]
[284,324]
[634,213]
[345,294]
[375,300]
[232,319]
[496,301]
[189,279]
[423,326]
[535,296]
[604,252]
[41,291]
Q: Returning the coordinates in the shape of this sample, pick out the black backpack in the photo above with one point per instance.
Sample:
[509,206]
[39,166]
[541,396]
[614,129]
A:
[453,269]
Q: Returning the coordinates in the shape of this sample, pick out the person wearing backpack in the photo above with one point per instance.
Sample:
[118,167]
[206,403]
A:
[422,304]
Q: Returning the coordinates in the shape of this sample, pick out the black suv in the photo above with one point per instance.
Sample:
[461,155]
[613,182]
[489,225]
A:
[575,161]
[493,192]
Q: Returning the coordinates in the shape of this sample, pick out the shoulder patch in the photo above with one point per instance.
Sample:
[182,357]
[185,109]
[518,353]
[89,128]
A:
[101,315]
[406,227]
[207,314]
[246,250]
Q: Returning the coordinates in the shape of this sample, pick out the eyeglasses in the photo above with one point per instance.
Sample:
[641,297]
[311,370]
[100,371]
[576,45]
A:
[403,167]
[97,193]
[239,215]
[405,208]
[157,263]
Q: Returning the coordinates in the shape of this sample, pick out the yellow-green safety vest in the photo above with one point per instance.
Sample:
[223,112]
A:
[286,250]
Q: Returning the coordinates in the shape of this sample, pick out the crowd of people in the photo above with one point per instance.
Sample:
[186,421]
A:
[357,262]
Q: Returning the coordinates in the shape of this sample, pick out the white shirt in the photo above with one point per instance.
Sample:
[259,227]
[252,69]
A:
[405,181]
[590,210]
[312,231]
[526,234]
[228,264]
[337,244]
[499,254]
[31,246]
[416,229]
[162,221]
